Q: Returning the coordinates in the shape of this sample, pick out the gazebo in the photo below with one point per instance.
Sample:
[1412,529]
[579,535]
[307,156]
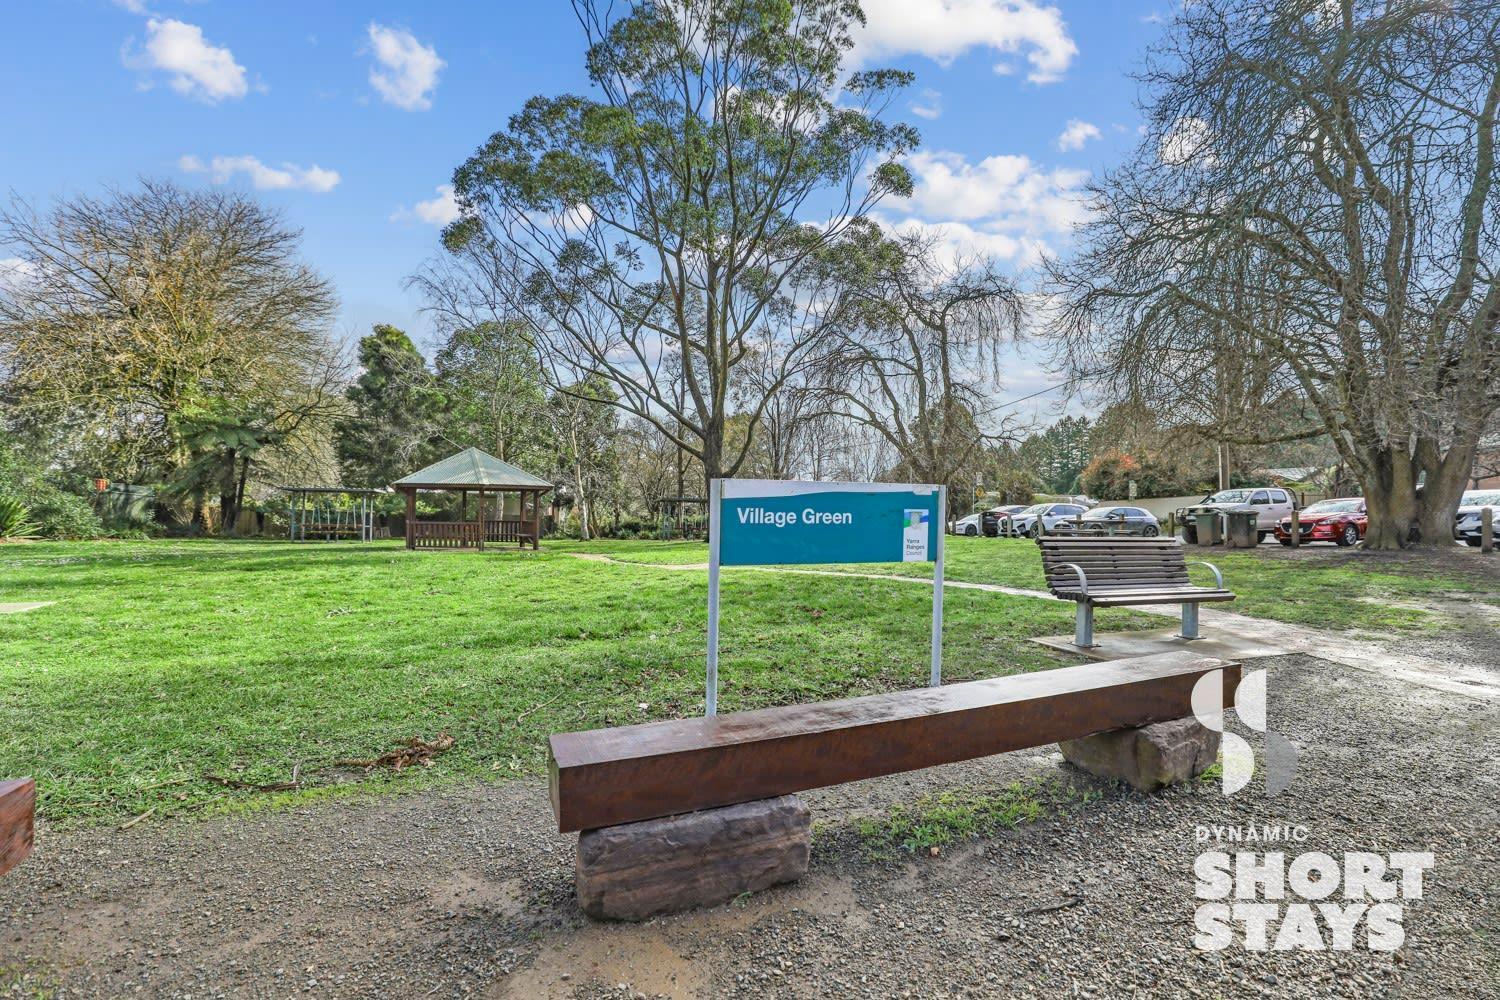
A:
[480,473]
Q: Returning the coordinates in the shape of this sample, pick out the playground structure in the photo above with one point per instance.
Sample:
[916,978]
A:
[330,513]
[682,517]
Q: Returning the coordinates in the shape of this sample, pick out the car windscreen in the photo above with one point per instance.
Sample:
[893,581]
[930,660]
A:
[1100,513]
[1229,496]
[1480,498]
[1035,508]
[1334,507]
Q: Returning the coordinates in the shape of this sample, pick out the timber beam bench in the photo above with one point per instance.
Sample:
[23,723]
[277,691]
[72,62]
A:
[17,821]
[1125,572]
[694,812]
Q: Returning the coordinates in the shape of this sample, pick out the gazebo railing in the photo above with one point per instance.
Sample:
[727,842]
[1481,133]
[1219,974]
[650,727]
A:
[446,534]
[508,529]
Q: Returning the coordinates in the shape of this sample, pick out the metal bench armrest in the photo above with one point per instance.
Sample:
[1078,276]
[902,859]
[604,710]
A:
[1218,576]
[1083,580]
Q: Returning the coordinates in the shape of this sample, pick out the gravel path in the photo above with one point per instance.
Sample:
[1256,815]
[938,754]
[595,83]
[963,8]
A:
[467,892]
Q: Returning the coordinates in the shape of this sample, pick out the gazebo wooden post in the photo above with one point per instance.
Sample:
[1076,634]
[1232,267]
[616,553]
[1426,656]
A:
[479,513]
[536,520]
[411,516]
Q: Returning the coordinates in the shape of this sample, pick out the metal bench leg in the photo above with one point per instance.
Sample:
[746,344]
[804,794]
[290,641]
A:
[1083,626]
[1190,621]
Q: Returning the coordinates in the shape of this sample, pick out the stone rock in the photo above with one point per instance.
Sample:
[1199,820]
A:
[1148,758]
[639,870]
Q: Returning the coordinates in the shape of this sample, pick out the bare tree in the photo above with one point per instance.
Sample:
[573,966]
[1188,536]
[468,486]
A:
[648,236]
[1319,180]
[917,355]
[180,318]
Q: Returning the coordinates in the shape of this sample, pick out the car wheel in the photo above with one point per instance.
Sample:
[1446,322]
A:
[971,531]
[1286,543]
[1473,543]
[1150,531]
[1349,536]
[1190,534]
[1261,536]
[1035,531]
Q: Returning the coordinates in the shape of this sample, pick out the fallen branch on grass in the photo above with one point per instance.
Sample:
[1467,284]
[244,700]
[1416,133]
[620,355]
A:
[414,750]
[250,786]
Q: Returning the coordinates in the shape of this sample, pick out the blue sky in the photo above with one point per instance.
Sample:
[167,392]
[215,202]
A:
[350,116]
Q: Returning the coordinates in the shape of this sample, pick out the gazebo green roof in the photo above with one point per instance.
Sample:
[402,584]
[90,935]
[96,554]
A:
[472,469]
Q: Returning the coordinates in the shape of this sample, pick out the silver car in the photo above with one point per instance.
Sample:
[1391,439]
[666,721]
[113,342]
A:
[1120,521]
[1053,518]
[1471,513]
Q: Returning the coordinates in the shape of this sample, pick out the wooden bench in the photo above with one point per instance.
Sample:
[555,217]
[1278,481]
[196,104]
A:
[696,812]
[605,777]
[1123,572]
[17,821]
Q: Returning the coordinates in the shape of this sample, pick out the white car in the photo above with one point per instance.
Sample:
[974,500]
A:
[1053,518]
[1471,512]
[967,525]
[1270,504]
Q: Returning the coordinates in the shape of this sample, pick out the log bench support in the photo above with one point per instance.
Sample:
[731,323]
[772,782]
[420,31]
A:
[693,812]
[17,821]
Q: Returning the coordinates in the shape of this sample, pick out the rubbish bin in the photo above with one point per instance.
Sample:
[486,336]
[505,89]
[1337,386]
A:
[1209,528]
[1242,534]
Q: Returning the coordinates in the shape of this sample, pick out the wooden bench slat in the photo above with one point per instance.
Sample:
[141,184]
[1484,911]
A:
[611,776]
[17,821]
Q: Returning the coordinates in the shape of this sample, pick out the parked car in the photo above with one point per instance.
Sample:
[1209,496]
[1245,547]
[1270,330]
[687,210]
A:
[1050,517]
[1471,512]
[1270,504]
[1340,521]
[967,525]
[1120,521]
[996,521]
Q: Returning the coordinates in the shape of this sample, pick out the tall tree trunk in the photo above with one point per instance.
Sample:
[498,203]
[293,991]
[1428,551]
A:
[1389,478]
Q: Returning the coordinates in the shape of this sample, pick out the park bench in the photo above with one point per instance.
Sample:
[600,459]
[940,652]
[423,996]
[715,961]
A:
[695,811]
[1125,572]
[17,821]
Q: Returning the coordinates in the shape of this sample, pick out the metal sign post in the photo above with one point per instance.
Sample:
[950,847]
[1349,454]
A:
[757,522]
[715,532]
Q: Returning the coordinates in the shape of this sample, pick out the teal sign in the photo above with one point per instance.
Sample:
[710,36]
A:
[767,522]
[827,523]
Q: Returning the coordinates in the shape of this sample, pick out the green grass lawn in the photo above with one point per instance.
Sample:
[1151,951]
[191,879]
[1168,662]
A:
[162,661]
[1321,587]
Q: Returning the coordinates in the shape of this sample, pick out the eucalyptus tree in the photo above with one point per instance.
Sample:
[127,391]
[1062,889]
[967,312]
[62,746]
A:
[1317,180]
[648,232]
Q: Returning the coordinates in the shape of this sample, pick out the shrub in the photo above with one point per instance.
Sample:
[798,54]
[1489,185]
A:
[55,512]
[14,517]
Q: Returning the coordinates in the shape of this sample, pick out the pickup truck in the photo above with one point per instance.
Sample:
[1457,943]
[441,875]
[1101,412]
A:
[1270,504]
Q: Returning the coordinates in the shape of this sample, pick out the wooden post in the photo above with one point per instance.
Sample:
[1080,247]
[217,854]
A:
[480,514]
[411,517]
[536,520]
[1487,529]
[1296,529]
[17,821]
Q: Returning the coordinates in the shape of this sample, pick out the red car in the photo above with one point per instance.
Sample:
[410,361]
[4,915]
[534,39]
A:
[1339,521]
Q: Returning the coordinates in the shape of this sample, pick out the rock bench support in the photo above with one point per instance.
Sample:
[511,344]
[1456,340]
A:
[644,869]
[1149,757]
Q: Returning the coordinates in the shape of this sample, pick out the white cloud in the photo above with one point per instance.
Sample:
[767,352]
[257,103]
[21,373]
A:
[437,211]
[406,73]
[929,105]
[133,6]
[196,68]
[287,177]
[1189,140]
[15,272]
[1077,134]
[945,29]
[1008,207]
